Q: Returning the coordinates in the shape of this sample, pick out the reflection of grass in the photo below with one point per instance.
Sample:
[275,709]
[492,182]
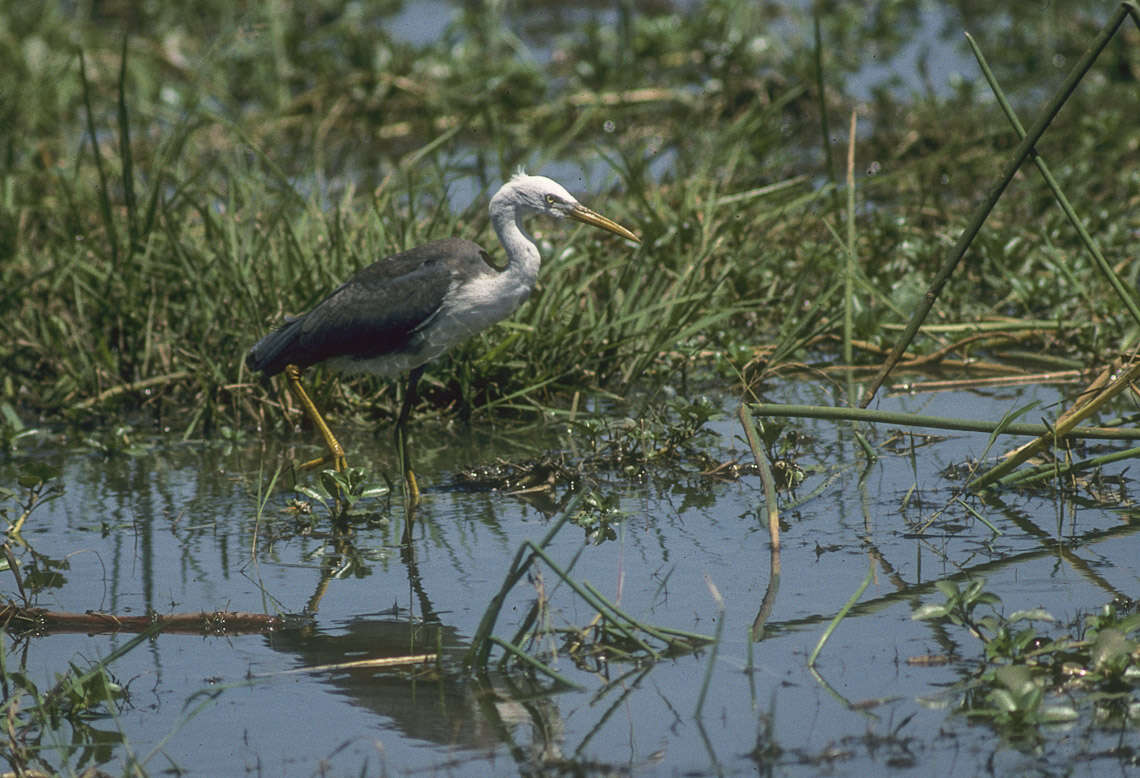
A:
[58,725]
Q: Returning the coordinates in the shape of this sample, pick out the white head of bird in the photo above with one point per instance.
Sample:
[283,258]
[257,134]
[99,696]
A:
[533,194]
[527,195]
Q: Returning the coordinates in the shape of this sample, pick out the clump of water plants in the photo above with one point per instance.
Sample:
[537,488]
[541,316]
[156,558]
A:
[612,635]
[664,435]
[343,495]
[66,722]
[1028,677]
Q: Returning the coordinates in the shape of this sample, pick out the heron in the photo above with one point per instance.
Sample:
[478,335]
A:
[401,312]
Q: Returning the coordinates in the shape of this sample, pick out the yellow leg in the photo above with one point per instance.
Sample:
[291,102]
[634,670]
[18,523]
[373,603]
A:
[336,451]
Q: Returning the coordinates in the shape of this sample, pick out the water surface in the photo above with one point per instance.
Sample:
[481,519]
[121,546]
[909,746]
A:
[174,531]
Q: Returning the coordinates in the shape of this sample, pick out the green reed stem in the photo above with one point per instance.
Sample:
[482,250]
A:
[847,606]
[1128,298]
[1049,469]
[936,422]
[531,662]
[1064,428]
[850,267]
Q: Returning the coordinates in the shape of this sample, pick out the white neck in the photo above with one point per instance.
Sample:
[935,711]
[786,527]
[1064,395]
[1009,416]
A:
[523,259]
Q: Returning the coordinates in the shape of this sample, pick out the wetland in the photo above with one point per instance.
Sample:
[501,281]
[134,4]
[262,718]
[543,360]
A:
[655,535]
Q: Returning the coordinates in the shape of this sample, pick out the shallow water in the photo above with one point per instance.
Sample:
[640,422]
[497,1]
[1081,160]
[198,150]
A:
[173,531]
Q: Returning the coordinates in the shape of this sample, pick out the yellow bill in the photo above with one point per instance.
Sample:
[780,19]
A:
[586,216]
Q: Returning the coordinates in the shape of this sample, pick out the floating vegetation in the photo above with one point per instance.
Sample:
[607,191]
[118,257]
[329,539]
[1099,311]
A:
[1029,676]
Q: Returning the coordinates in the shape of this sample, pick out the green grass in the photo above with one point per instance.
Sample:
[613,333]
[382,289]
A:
[164,208]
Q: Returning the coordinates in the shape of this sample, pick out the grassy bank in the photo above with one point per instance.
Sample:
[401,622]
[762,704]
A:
[176,181]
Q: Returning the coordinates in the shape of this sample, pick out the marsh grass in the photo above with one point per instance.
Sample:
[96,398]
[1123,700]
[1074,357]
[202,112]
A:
[171,195]
[156,293]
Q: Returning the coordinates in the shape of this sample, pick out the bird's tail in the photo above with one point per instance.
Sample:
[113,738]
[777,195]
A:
[268,354]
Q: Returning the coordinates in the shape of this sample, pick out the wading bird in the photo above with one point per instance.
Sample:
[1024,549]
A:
[407,309]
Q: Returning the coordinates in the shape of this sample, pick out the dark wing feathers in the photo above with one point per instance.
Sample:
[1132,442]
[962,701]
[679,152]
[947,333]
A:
[373,313]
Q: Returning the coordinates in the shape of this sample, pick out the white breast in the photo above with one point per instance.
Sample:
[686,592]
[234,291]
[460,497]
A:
[473,306]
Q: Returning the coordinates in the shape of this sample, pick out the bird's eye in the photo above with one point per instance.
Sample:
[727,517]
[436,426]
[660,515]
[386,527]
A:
[551,199]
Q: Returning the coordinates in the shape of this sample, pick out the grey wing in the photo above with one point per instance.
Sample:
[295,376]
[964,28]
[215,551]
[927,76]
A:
[374,313]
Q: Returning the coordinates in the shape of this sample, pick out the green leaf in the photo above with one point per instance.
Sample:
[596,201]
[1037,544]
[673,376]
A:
[1033,614]
[974,589]
[329,482]
[932,611]
[990,623]
[11,417]
[1111,651]
[1018,679]
[311,493]
[988,598]
[949,589]
[1023,638]
[1003,700]
[1057,713]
